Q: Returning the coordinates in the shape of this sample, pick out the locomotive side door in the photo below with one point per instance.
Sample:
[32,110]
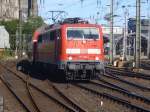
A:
[57,45]
[37,48]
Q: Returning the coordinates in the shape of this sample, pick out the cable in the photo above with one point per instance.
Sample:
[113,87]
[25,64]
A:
[73,4]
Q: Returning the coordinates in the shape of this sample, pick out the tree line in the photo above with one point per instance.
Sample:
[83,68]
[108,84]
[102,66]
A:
[28,27]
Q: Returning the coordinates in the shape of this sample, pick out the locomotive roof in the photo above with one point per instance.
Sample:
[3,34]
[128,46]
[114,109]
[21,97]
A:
[52,27]
[58,26]
[71,22]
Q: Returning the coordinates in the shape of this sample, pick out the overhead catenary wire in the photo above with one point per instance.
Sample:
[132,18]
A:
[87,3]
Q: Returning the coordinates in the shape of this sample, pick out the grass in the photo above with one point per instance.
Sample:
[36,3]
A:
[7,54]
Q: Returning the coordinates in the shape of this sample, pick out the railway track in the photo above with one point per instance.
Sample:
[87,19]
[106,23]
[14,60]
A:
[73,108]
[91,102]
[142,83]
[125,92]
[69,100]
[139,81]
[62,96]
[134,106]
[125,72]
[26,98]
[126,85]
[111,76]
[145,65]
[115,93]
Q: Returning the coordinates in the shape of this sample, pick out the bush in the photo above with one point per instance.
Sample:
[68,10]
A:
[6,54]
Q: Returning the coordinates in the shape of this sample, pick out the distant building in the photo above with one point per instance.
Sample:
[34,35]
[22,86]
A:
[4,38]
[117,33]
[116,30]
[9,9]
[144,26]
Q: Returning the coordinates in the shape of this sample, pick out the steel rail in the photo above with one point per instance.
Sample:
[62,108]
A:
[111,75]
[121,90]
[54,99]
[114,98]
[126,72]
[74,104]
[31,95]
[17,97]
[40,90]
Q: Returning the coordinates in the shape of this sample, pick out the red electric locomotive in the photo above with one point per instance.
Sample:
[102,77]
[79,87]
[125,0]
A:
[73,46]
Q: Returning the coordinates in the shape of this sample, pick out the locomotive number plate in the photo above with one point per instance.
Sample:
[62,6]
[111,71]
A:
[84,51]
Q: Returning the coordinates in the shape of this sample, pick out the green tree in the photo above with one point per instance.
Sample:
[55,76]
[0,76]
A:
[28,27]
[11,27]
[32,24]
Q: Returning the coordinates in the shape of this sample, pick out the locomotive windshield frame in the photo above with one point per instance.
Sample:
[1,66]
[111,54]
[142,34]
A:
[80,33]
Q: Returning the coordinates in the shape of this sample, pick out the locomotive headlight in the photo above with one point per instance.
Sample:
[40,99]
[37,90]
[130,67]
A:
[23,53]
[70,58]
[16,57]
[96,58]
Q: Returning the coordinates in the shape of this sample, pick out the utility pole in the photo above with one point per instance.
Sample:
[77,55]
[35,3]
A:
[125,32]
[32,7]
[1,10]
[20,29]
[138,34]
[111,34]
[148,44]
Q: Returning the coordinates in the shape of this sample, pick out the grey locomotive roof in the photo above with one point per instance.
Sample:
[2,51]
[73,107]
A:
[4,38]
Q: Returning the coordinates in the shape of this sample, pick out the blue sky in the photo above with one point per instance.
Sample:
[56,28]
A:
[91,9]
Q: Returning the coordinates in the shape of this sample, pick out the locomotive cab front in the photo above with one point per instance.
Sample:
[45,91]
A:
[83,51]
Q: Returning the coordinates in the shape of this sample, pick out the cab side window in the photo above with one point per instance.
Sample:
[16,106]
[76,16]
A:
[53,35]
[40,39]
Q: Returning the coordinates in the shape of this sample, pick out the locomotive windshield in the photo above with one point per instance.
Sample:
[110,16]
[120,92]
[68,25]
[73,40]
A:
[82,33]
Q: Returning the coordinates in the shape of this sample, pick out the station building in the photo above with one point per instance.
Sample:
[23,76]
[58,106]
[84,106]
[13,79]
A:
[119,35]
[145,26]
